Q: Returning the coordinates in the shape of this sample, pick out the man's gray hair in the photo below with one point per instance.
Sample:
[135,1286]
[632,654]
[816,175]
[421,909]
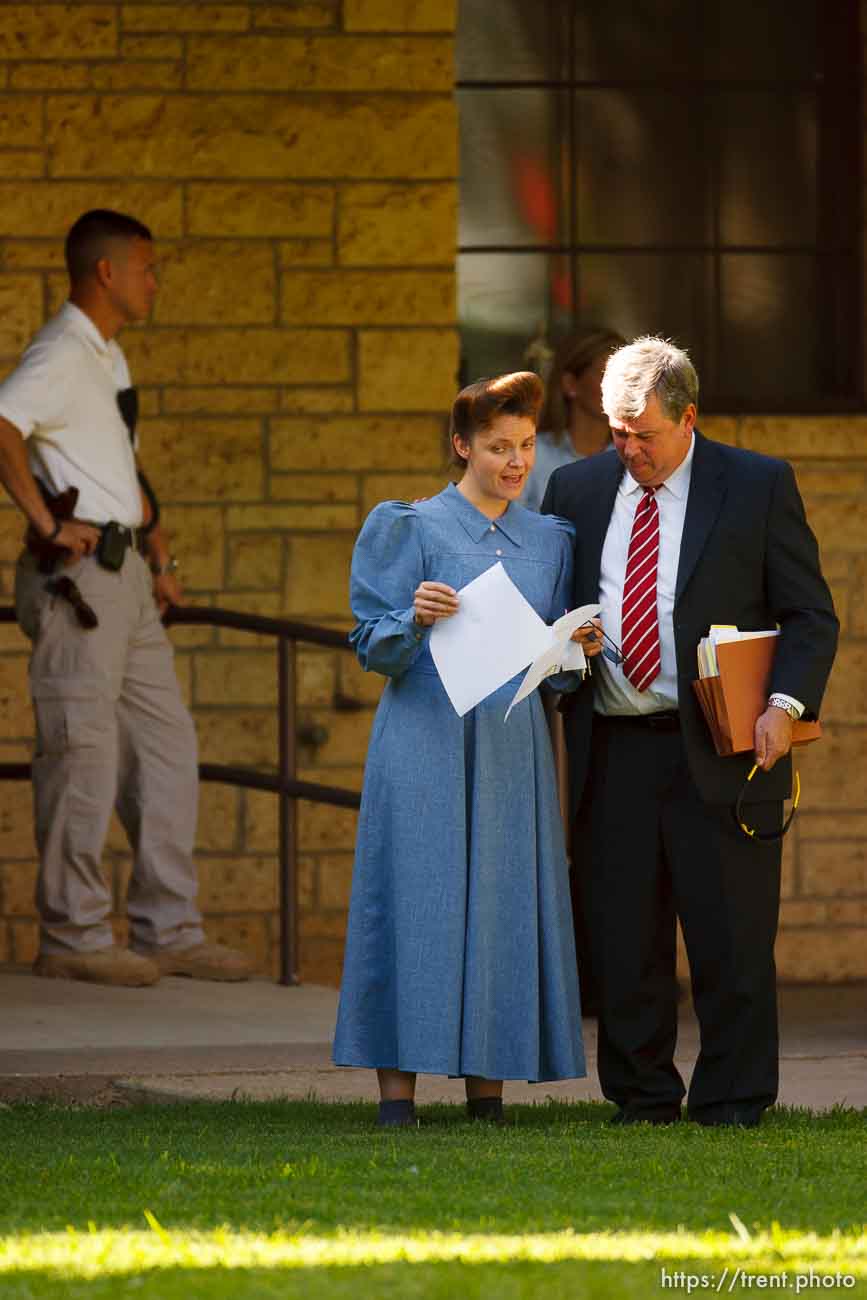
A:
[646,366]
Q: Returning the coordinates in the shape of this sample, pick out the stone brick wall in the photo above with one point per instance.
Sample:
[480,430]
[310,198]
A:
[296,162]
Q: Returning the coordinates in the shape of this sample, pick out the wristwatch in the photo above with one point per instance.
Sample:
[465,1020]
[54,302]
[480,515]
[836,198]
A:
[169,566]
[780,702]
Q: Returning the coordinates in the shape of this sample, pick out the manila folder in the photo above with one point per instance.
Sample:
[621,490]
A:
[745,671]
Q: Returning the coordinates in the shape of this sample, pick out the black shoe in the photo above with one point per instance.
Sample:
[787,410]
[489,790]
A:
[730,1116]
[667,1116]
[397,1114]
[488,1109]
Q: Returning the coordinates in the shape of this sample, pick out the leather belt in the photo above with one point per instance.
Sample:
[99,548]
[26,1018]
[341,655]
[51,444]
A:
[668,720]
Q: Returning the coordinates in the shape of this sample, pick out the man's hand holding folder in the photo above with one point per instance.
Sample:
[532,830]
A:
[732,689]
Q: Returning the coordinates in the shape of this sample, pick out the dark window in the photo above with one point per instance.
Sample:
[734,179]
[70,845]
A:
[684,167]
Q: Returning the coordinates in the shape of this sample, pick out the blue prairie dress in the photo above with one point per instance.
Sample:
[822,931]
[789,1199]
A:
[460,953]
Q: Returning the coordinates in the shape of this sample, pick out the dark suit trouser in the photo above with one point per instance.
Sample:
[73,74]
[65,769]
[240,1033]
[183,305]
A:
[648,851]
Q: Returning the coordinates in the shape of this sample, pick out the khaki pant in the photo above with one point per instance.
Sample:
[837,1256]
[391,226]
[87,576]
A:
[112,732]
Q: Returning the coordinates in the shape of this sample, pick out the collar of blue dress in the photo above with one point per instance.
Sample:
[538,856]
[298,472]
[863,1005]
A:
[476,524]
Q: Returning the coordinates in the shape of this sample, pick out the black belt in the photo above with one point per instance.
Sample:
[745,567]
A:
[668,720]
[133,538]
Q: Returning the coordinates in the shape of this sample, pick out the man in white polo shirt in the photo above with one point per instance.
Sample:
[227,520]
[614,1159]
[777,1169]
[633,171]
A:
[111,727]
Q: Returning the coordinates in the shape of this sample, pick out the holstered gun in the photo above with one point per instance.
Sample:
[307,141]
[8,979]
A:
[48,554]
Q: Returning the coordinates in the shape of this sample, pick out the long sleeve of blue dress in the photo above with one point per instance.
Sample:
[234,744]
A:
[561,599]
[387,566]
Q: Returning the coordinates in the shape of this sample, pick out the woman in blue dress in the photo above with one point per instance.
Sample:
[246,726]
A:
[460,956]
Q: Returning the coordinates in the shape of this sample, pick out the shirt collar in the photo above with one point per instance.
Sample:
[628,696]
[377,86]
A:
[83,325]
[677,482]
[476,524]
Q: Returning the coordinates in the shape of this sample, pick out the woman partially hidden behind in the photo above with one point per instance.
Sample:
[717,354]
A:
[460,956]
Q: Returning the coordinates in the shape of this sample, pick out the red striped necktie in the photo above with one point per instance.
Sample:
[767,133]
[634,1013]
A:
[640,624]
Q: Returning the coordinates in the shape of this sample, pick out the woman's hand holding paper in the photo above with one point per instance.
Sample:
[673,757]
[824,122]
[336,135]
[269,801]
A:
[434,600]
[589,637]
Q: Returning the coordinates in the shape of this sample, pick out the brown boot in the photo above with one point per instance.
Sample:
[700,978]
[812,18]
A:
[204,961]
[103,966]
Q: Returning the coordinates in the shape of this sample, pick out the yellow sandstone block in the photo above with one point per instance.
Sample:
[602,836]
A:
[833,955]
[803,436]
[262,136]
[255,561]
[846,697]
[32,254]
[834,868]
[16,717]
[246,737]
[322,826]
[20,120]
[249,934]
[399,15]
[348,735]
[336,63]
[24,936]
[145,74]
[220,401]
[331,400]
[263,356]
[197,459]
[295,14]
[51,31]
[152,47]
[260,209]
[306,252]
[264,518]
[34,209]
[22,163]
[218,827]
[369,297]
[400,487]
[197,539]
[49,76]
[839,522]
[244,678]
[17,840]
[357,442]
[317,581]
[237,884]
[397,225]
[20,312]
[155,356]
[313,488]
[408,370]
[335,880]
[216,283]
[823,480]
[316,676]
[185,17]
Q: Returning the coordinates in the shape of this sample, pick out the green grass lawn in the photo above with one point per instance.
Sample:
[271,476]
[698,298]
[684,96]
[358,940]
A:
[242,1200]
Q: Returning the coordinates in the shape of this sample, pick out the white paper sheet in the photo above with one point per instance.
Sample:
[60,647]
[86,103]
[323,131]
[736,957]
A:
[495,633]
[563,653]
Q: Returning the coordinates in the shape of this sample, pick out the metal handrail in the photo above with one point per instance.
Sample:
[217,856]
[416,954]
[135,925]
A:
[284,783]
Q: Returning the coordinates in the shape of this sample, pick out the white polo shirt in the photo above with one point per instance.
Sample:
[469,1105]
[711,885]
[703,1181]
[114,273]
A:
[63,398]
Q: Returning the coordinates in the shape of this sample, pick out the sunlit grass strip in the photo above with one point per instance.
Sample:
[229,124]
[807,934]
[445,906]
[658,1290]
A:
[95,1253]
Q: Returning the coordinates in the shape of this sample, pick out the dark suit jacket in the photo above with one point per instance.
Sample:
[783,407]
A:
[747,557]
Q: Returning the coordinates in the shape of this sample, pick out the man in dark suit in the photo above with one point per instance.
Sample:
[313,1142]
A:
[675,533]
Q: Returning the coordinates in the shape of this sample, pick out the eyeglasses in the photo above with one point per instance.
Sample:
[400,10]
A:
[750,831]
[68,590]
[612,650]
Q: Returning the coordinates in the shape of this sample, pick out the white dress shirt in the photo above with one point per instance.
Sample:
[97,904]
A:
[63,398]
[615,694]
